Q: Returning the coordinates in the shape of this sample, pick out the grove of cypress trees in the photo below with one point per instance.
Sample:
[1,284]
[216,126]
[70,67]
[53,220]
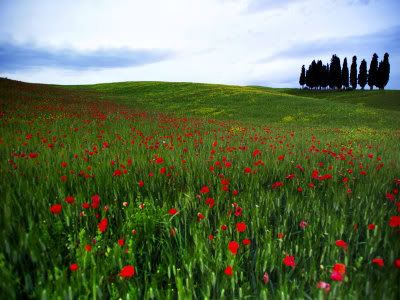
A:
[302,79]
[353,73]
[373,70]
[363,76]
[345,74]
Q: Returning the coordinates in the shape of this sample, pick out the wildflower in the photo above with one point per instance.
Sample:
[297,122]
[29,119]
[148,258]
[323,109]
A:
[69,199]
[127,271]
[103,225]
[341,244]
[378,261]
[56,209]
[241,226]
[265,278]
[394,221]
[324,285]
[233,246]
[229,271]
[289,261]
[172,211]
[73,267]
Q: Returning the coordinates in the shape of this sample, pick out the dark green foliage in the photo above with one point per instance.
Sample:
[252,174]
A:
[373,70]
[353,73]
[383,72]
[345,74]
[363,76]
[336,72]
[302,80]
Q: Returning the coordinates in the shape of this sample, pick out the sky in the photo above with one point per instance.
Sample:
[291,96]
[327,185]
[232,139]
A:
[243,42]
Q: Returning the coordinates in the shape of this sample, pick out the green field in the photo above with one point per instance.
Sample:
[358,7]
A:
[207,191]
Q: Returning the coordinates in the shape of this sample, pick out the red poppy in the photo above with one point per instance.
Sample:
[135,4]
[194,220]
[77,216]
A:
[378,261]
[336,276]
[172,211]
[121,242]
[95,201]
[141,183]
[289,261]
[224,227]
[396,263]
[241,227]
[265,278]
[56,209]
[394,221]
[33,155]
[210,202]
[341,244]
[371,226]
[280,235]
[324,285]
[103,225]
[127,271]
[340,268]
[88,248]
[233,246]
[210,237]
[73,267]
[159,160]
[204,190]
[246,242]
[69,199]
[229,271]
[247,170]
[64,164]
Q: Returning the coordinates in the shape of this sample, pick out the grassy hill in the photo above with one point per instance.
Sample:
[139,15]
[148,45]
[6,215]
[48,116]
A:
[375,109]
[249,104]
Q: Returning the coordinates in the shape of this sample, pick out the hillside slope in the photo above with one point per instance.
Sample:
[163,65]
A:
[257,105]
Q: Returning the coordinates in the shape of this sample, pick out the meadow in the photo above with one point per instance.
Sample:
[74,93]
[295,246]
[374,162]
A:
[156,190]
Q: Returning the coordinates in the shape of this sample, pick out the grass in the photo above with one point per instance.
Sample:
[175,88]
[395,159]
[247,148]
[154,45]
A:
[303,170]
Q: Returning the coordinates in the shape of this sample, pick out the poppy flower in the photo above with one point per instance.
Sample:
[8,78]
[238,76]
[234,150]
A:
[64,164]
[246,242]
[210,237]
[247,170]
[324,285]
[159,160]
[69,199]
[204,190]
[33,155]
[224,227]
[378,261]
[396,263]
[172,211]
[95,201]
[394,221]
[341,244]
[88,248]
[229,271]
[265,278]
[210,202]
[103,225]
[280,235]
[303,224]
[289,261]
[233,246]
[336,276]
[127,271]
[241,227]
[56,209]
[340,268]
[140,183]
[121,242]
[73,267]
[371,226]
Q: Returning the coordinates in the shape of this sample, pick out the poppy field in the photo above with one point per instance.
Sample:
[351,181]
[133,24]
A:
[103,199]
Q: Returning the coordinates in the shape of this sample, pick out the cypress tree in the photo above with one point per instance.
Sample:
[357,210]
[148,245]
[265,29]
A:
[345,74]
[353,73]
[308,77]
[302,79]
[335,72]
[383,72]
[363,76]
[373,70]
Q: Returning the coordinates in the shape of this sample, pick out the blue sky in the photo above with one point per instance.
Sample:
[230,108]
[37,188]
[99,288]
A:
[218,41]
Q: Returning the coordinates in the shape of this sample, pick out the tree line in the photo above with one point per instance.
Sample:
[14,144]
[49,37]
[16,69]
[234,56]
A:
[336,76]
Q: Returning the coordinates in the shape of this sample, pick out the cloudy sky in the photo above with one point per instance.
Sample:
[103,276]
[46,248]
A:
[243,42]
